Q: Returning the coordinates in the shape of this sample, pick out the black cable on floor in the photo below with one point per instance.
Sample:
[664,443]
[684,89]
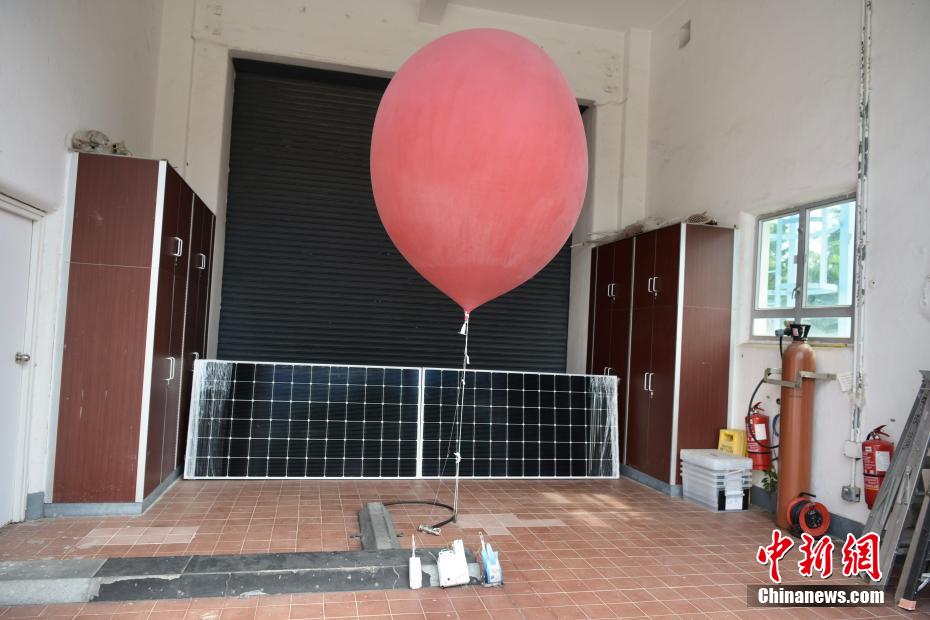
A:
[428,503]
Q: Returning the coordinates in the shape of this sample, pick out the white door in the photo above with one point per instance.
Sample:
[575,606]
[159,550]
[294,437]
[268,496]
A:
[15,247]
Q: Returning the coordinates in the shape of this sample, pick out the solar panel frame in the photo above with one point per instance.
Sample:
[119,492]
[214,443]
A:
[514,427]
[280,420]
[248,425]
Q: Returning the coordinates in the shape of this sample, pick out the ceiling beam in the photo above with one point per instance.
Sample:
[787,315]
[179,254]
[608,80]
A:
[431,11]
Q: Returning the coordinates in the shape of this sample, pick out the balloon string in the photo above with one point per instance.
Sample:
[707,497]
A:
[460,406]
[456,434]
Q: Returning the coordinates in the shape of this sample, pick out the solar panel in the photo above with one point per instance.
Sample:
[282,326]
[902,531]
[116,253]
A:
[520,424]
[269,420]
[281,420]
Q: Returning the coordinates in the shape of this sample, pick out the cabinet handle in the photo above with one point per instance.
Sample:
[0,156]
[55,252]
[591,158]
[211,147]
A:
[611,290]
[651,375]
[649,285]
[645,381]
[655,285]
[608,370]
[170,369]
[201,261]
[177,246]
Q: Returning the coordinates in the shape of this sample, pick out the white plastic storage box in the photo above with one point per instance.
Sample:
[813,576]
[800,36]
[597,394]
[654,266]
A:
[716,479]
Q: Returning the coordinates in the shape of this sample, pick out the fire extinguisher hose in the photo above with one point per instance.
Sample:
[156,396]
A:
[877,433]
[749,427]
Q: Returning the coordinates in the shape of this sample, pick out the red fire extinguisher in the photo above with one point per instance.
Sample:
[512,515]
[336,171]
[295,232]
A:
[758,444]
[876,459]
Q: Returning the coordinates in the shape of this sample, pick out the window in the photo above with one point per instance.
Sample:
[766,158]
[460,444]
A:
[805,270]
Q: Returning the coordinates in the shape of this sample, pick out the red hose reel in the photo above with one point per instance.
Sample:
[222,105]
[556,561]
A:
[805,515]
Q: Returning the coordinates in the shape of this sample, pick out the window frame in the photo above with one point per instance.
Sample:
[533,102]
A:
[799,311]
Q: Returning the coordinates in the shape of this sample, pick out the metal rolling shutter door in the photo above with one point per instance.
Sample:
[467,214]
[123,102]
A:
[310,274]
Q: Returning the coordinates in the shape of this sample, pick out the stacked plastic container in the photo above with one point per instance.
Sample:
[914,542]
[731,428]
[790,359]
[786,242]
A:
[716,479]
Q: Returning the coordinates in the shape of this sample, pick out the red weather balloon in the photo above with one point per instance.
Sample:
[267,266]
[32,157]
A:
[478,162]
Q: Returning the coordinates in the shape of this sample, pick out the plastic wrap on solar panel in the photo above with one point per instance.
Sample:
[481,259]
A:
[514,424]
[274,420]
[280,420]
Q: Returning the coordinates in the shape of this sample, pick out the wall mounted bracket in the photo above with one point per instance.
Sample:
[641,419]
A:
[805,374]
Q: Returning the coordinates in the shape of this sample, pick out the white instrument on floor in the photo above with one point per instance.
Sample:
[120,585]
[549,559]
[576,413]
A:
[452,566]
[490,561]
[414,567]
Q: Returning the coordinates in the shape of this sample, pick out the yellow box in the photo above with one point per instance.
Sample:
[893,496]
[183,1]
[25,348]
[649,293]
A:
[732,441]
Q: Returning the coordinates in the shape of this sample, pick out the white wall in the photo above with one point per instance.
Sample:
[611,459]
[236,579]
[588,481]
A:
[897,308]
[200,37]
[67,65]
[759,112]
[70,65]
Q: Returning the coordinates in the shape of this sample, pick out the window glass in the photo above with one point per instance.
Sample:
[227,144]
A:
[767,326]
[829,327]
[776,280]
[805,267]
[830,244]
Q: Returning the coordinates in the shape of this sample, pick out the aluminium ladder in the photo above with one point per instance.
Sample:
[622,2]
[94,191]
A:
[900,514]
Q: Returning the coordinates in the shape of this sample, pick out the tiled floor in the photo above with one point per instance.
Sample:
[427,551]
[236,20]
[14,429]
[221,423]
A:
[610,549]
[499,523]
[129,536]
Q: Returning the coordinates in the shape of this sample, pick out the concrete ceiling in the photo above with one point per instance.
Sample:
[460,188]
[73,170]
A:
[608,14]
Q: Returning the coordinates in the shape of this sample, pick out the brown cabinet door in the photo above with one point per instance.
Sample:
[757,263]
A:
[162,366]
[620,327]
[198,294]
[639,397]
[619,362]
[167,362]
[664,337]
[592,312]
[101,384]
[179,300]
[204,271]
[708,267]
[704,376]
[662,385]
[620,311]
[644,269]
[103,357]
[602,300]
[667,261]
[623,273]
[114,211]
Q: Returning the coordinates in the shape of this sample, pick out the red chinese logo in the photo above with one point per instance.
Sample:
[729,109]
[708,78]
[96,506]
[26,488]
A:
[860,555]
[818,555]
[773,553]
